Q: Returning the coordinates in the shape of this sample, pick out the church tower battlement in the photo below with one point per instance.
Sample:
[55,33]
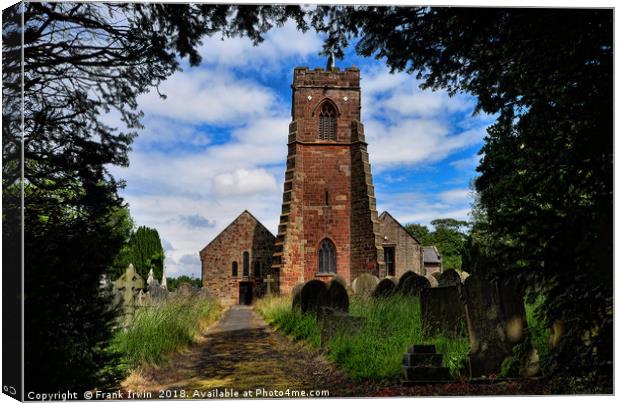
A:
[328,224]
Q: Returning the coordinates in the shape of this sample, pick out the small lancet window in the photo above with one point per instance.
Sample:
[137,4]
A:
[246,264]
[327,257]
[327,122]
[326,198]
[235,269]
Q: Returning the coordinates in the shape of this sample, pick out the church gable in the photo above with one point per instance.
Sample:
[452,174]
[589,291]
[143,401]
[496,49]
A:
[235,262]
[402,252]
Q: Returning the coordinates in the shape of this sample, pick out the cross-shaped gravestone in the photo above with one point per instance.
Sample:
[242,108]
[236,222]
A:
[269,280]
[128,284]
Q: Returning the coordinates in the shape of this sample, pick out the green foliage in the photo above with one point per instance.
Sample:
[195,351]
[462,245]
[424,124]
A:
[278,312]
[144,251]
[81,61]
[447,236]
[377,349]
[163,328]
[173,282]
[419,232]
[546,176]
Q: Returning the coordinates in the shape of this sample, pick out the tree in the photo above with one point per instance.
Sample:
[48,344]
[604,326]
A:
[419,232]
[546,174]
[173,283]
[447,236]
[82,64]
[144,251]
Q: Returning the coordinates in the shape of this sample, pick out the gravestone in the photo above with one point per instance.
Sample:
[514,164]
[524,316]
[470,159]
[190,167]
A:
[436,274]
[364,285]
[394,279]
[339,279]
[128,285]
[185,290]
[338,322]
[423,365]
[464,276]
[413,285]
[449,277]
[311,294]
[156,292]
[496,321]
[442,312]
[404,278]
[296,295]
[269,282]
[334,297]
[385,288]
[432,280]
[150,278]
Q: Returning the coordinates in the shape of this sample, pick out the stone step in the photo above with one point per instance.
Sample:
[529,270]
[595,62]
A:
[422,360]
[427,374]
[422,349]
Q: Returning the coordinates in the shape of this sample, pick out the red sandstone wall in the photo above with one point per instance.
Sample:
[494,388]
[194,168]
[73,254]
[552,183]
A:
[315,166]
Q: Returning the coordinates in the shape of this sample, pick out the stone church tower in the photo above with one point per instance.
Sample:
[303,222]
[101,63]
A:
[329,224]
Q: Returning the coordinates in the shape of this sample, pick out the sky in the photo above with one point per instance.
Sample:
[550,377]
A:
[216,145]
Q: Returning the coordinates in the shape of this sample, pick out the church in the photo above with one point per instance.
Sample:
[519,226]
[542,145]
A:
[328,222]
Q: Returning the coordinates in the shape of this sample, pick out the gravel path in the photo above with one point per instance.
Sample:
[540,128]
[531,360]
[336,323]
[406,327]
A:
[243,353]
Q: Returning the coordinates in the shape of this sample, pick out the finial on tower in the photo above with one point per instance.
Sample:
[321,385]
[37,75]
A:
[330,61]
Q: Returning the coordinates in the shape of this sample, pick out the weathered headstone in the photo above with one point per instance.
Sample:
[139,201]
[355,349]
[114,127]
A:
[436,274]
[164,281]
[432,280]
[464,276]
[338,322]
[269,282]
[128,285]
[150,278]
[311,294]
[393,278]
[156,292]
[385,288]
[185,290]
[296,295]
[334,297]
[414,285]
[496,321]
[364,285]
[339,279]
[449,277]
[423,365]
[442,312]
[404,278]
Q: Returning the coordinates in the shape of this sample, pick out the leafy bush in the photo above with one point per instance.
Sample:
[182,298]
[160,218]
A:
[160,329]
[376,350]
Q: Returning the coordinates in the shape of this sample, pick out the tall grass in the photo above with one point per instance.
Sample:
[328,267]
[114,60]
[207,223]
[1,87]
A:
[277,311]
[377,349]
[165,327]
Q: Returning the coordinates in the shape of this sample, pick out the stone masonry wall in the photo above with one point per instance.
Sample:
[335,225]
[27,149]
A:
[318,201]
[245,233]
[408,252]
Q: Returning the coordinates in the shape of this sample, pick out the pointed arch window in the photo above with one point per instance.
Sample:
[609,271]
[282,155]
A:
[327,257]
[327,122]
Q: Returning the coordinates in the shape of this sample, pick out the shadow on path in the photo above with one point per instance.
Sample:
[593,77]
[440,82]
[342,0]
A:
[240,351]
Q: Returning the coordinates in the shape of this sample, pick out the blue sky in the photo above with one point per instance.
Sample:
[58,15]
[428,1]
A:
[217,144]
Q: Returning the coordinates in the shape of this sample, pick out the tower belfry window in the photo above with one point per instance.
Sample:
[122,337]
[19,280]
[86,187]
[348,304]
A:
[327,122]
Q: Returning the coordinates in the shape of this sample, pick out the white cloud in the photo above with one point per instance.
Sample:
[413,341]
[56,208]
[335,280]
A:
[456,195]
[280,44]
[208,96]
[243,182]
[414,141]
